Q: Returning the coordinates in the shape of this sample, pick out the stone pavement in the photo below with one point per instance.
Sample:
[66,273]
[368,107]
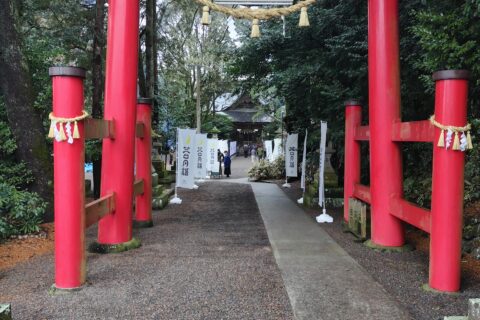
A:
[322,280]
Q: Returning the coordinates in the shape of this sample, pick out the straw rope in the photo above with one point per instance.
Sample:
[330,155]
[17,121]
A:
[261,14]
[453,130]
[65,120]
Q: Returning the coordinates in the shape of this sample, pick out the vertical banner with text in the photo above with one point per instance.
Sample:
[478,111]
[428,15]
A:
[212,145]
[201,153]
[304,161]
[186,158]
[291,155]
[268,149]
[321,181]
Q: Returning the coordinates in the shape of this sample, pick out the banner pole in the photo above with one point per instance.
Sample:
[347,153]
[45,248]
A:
[176,199]
[324,217]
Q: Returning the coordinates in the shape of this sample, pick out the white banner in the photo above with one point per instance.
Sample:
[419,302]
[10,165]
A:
[223,145]
[291,155]
[233,148]
[277,148]
[268,149]
[186,158]
[321,183]
[212,157]
[304,161]
[201,153]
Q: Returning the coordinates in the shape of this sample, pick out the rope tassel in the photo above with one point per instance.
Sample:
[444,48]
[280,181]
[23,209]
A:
[206,16]
[76,133]
[255,29]
[441,140]
[456,142]
[63,137]
[51,133]
[469,141]
[303,18]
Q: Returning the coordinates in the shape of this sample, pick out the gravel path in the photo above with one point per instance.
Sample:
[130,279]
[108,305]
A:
[208,258]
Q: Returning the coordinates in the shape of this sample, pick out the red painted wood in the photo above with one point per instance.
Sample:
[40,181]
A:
[69,187]
[143,146]
[362,133]
[120,104]
[411,213]
[353,118]
[415,131]
[384,111]
[362,192]
[447,189]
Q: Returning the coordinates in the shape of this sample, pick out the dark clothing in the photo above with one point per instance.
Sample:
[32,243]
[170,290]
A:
[226,164]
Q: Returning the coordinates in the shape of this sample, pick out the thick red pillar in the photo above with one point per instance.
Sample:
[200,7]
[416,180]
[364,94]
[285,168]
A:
[353,119]
[143,164]
[384,110]
[447,183]
[69,180]
[120,106]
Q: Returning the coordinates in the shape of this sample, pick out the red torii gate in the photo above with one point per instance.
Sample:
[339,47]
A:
[119,129]
[120,133]
[385,132]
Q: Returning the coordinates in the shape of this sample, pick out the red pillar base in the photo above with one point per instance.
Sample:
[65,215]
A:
[426,287]
[55,291]
[372,245]
[97,247]
[142,224]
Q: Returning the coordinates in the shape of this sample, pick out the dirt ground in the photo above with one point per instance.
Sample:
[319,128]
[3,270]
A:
[403,274]
[208,258]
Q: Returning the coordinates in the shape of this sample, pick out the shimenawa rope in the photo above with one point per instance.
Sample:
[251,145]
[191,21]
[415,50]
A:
[459,143]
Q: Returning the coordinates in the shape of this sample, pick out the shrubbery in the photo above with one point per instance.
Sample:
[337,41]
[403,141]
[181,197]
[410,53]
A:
[265,170]
[20,211]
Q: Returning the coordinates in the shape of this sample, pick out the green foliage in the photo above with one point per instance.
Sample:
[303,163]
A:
[266,170]
[21,212]
[222,123]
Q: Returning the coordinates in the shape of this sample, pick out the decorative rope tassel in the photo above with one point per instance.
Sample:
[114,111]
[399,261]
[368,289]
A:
[456,142]
[63,137]
[206,16]
[51,133]
[441,140]
[76,133]
[255,29]
[469,140]
[303,18]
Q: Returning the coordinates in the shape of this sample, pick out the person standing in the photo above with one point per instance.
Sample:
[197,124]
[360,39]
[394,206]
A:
[227,164]
[254,154]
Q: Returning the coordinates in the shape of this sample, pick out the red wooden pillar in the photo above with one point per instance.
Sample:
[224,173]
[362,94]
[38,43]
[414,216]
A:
[353,119]
[120,106]
[384,110]
[447,183]
[143,164]
[69,180]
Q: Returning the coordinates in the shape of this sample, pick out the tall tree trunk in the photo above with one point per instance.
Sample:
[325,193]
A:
[26,125]
[149,40]
[98,84]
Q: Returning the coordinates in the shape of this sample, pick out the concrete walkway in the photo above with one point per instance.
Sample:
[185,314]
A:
[322,280]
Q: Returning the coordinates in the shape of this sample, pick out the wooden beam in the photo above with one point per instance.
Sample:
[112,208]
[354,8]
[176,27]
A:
[140,130]
[138,187]
[415,131]
[97,209]
[362,192]
[362,133]
[99,129]
[410,213]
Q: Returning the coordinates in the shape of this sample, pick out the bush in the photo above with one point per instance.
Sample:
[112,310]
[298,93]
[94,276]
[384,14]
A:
[21,212]
[265,170]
